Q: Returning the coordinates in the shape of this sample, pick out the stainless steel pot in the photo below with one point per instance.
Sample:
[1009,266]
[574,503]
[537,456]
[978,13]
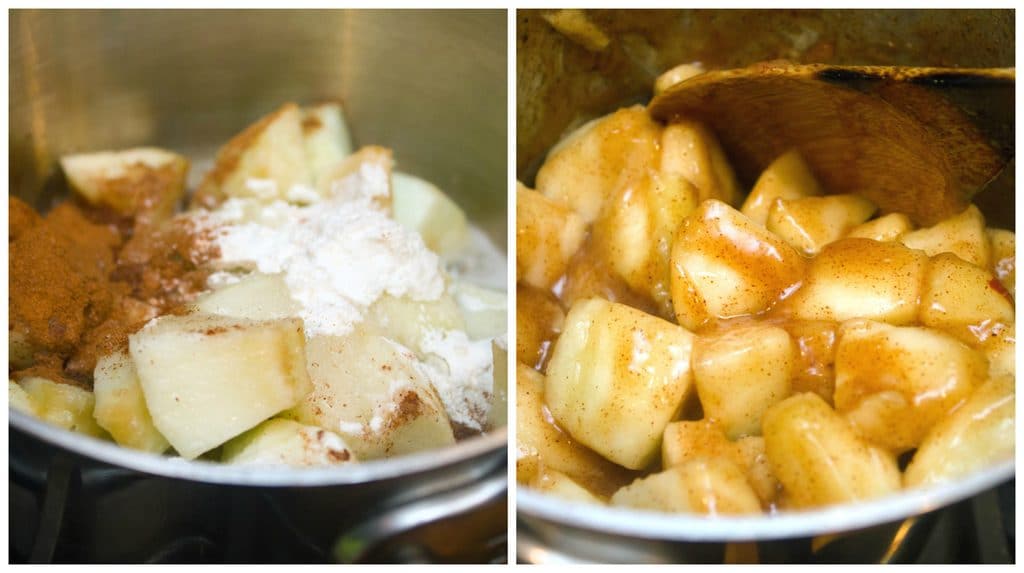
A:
[560,84]
[429,84]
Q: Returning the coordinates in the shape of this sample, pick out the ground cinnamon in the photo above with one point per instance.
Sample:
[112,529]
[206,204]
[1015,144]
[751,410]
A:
[81,281]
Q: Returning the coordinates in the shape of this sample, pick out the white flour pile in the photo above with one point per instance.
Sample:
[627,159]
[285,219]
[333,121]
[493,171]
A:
[340,254]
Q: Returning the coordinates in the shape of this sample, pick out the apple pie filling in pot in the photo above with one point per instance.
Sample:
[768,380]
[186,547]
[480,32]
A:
[771,307]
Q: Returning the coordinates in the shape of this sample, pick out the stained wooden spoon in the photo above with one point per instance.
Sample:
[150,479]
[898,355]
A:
[918,140]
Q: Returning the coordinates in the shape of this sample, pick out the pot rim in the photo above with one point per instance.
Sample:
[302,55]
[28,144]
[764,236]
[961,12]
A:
[258,476]
[789,524]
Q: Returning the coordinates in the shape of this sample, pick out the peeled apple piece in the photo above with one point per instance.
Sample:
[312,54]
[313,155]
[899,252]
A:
[979,434]
[142,180]
[560,485]
[121,407]
[708,486]
[724,265]
[690,151]
[208,378]
[18,399]
[421,207]
[547,235]
[598,159]
[860,278]
[325,137]
[680,73]
[409,321]
[257,296]
[63,405]
[692,439]
[788,177]
[272,149]
[617,377]
[372,392]
[810,223]
[963,235]
[963,299]
[484,310]
[740,373]
[894,383]
[543,446]
[635,230]
[539,321]
[885,228]
[497,416]
[279,442]
[818,458]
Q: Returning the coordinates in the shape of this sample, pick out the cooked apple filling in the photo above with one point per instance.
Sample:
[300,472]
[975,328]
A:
[686,347]
[310,307]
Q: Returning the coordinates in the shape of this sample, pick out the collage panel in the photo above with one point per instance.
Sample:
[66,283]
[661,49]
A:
[765,286]
[257,293]
[260,286]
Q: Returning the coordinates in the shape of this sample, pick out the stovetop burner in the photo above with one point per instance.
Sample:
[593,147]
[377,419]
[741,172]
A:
[75,513]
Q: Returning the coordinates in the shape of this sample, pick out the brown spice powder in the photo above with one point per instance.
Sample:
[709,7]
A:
[81,281]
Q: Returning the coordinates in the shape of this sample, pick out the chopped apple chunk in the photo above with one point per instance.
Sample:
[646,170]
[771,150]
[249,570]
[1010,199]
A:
[409,321]
[885,228]
[598,159]
[560,485]
[893,383]
[325,136]
[617,377]
[635,230]
[370,391]
[542,445]
[710,486]
[723,265]
[18,399]
[121,407]
[810,223]
[286,442]
[818,458]
[497,415]
[484,310]
[421,207]
[689,440]
[144,181]
[690,151]
[264,161]
[547,235]
[963,235]
[63,405]
[366,174]
[207,378]
[539,320]
[740,373]
[977,435]
[860,278]
[257,296]
[788,177]
[673,76]
[963,299]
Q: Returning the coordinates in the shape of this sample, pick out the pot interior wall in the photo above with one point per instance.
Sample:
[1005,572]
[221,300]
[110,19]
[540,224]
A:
[429,84]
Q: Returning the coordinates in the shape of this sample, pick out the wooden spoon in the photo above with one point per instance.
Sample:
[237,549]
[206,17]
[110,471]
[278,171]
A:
[921,141]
